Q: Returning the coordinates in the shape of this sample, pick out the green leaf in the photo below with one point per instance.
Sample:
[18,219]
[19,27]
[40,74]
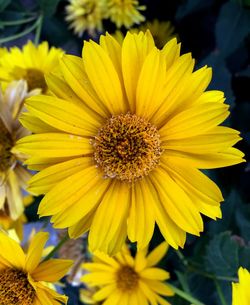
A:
[232,27]
[222,257]
[191,6]
[4,4]
[48,6]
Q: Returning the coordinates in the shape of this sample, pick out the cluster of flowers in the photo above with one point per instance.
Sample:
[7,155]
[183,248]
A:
[88,15]
[118,138]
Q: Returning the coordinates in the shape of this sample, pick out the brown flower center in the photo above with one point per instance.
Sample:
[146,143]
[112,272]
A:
[6,144]
[35,79]
[127,278]
[15,288]
[127,147]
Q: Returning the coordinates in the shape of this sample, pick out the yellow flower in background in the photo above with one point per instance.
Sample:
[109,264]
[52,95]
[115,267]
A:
[86,15]
[125,12]
[13,176]
[241,291]
[121,142]
[30,63]
[123,279]
[24,278]
[162,31]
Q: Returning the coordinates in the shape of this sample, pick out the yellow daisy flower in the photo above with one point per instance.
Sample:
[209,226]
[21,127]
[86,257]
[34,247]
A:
[22,275]
[125,12]
[241,292]
[121,142]
[31,63]
[123,279]
[86,15]
[13,176]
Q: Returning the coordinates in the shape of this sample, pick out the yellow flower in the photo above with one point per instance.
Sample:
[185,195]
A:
[13,176]
[162,32]
[241,292]
[31,63]
[123,279]
[86,15]
[22,276]
[121,142]
[125,12]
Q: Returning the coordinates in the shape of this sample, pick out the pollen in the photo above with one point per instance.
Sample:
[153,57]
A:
[6,143]
[35,79]
[15,288]
[127,278]
[127,147]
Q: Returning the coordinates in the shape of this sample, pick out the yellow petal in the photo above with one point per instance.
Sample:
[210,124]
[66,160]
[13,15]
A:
[34,124]
[157,254]
[174,235]
[11,252]
[14,196]
[52,270]
[106,226]
[35,250]
[76,77]
[194,121]
[152,79]
[135,48]
[176,203]
[215,140]
[141,217]
[224,158]
[106,82]
[154,274]
[56,145]
[69,191]
[45,180]
[51,110]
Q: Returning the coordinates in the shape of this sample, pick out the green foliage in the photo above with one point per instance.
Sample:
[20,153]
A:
[4,4]
[48,7]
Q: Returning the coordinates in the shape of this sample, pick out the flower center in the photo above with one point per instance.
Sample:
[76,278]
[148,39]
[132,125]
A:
[15,288]
[127,278]
[127,147]
[35,79]
[6,143]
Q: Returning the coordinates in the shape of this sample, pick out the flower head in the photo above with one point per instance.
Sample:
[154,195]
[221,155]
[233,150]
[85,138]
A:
[13,176]
[125,12]
[86,15]
[23,275]
[123,279]
[31,63]
[120,150]
[241,292]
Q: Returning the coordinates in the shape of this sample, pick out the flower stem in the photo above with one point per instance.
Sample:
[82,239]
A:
[185,295]
[219,291]
[56,248]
